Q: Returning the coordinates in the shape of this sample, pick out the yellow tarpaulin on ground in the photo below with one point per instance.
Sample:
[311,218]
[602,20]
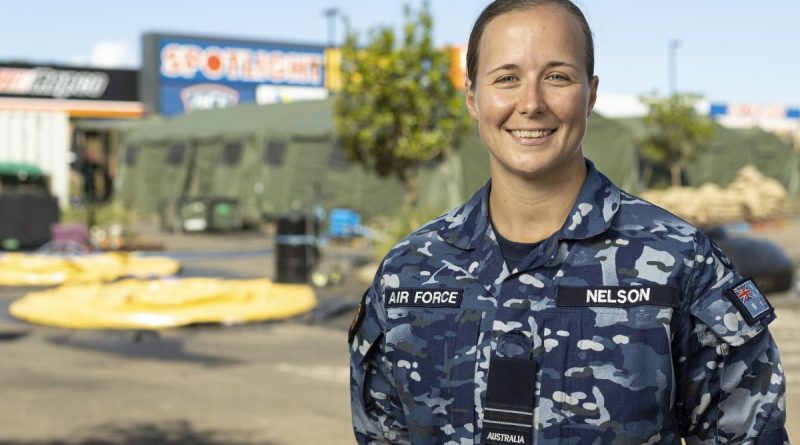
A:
[21,269]
[164,303]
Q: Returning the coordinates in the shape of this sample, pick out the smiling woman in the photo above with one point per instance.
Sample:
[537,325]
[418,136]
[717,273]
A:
[531,93]
[569,310]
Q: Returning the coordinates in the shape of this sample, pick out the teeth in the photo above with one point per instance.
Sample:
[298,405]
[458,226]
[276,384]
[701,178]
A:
[531,134]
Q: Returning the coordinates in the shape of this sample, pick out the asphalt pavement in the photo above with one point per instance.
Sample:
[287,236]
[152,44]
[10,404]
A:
[264,383]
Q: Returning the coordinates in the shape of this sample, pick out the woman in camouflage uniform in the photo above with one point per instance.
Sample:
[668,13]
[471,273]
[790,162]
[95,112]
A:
[553,307]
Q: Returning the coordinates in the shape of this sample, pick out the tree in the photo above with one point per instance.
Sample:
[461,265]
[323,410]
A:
[398,108]
[674,133]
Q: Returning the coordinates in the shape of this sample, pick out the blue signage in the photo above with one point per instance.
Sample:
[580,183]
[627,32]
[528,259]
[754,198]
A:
[718,110]
[753,111]
[204,73]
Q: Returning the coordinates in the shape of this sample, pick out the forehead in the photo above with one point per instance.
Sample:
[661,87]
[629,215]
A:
[546,31]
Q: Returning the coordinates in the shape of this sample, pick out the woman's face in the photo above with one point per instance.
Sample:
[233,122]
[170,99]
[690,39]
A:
[531,95]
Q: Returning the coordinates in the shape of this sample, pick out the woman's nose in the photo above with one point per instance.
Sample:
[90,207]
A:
[531,100]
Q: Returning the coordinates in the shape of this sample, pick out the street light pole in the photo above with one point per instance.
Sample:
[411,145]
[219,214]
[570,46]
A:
[673,46]
[331,14]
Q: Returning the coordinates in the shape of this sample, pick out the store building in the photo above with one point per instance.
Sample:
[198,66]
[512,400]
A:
[779,119]
[57,116]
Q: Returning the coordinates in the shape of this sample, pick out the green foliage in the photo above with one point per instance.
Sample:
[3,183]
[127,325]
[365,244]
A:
[390,231]
[398,108]
[104,214]
[674,133]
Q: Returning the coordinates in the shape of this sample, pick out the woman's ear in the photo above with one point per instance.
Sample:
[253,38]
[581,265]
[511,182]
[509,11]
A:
[470,99]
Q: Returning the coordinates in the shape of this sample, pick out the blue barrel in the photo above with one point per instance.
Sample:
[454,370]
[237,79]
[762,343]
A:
[344,223]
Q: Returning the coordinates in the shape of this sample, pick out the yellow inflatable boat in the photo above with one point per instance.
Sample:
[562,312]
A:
[163,303]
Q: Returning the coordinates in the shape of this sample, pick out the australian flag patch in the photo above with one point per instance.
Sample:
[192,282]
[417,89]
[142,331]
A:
[752,304]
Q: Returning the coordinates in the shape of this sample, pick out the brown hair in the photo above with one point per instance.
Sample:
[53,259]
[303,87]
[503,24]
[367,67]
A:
[500,7]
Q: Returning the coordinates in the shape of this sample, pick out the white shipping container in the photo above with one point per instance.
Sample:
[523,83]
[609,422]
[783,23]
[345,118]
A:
[41,138]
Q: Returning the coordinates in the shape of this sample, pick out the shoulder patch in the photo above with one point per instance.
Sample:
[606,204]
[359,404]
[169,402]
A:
[752,304]
[357,318]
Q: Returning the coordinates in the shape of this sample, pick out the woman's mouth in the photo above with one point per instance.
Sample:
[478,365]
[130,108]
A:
[531,136]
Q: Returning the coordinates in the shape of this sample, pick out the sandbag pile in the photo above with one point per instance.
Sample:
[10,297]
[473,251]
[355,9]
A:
[751,197]
[764,198]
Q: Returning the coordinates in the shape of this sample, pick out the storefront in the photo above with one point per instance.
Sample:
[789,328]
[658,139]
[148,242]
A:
[779,119]
[57,117]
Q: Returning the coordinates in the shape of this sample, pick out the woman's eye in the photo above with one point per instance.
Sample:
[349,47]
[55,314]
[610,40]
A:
[557,76]
[506,79]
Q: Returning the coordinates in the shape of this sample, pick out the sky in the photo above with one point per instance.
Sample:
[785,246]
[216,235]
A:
[729,51]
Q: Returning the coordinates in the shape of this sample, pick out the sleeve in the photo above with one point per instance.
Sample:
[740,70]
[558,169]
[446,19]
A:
[731,386]
[378,416]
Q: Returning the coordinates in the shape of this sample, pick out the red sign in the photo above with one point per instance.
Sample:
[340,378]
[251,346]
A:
[232,64]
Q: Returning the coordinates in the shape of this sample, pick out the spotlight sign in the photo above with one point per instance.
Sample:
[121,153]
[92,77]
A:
[181,74]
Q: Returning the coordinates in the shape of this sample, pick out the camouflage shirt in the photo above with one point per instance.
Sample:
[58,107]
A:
[611,367]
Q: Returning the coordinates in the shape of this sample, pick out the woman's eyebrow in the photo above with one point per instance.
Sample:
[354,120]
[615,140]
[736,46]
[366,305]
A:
[507,66]
[560,63]
[513,66]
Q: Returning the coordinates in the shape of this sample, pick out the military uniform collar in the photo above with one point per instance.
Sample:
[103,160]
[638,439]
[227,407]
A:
[591,215]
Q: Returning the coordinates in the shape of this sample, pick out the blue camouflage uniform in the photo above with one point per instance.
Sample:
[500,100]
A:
[610,366]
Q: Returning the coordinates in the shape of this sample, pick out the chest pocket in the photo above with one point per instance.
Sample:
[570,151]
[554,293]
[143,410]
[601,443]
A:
[432,353]
[606,367]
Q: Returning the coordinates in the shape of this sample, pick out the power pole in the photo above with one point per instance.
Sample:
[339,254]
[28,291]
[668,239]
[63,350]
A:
[673,75]
[331,14]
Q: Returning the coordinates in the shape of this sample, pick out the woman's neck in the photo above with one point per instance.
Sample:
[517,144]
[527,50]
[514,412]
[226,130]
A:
[528,210]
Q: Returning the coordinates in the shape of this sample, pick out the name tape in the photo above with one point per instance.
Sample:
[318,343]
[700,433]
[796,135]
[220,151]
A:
[617,296]
[423,297]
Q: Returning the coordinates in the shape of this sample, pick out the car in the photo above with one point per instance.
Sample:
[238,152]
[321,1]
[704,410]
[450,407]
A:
[27,206]
[761,259]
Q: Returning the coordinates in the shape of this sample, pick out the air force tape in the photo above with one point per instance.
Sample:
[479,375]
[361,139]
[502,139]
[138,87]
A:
[423,297]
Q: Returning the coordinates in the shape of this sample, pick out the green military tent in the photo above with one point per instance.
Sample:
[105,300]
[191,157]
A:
[612,147]
[269,159]
[720,159]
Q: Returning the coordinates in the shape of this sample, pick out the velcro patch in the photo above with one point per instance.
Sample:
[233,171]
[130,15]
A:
[617,296]
[422,297]
[510,396]
[752,304]
[358,318]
